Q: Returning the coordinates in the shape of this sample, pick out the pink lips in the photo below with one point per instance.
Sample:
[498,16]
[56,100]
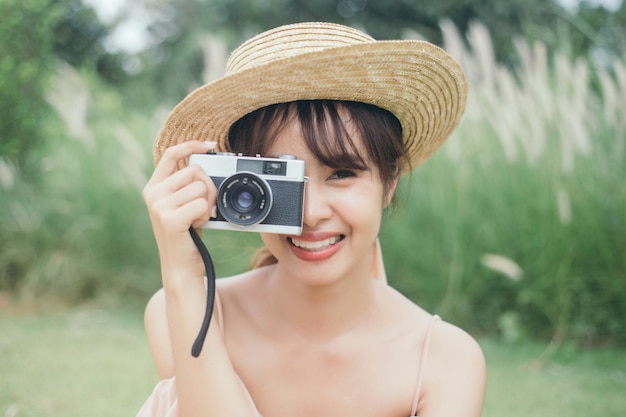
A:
[315,247]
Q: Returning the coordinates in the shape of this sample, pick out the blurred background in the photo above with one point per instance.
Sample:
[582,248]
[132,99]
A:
[515,230]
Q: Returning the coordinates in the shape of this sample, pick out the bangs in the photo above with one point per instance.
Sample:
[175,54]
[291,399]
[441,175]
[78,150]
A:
[325,132]
[322,127]
[326,126]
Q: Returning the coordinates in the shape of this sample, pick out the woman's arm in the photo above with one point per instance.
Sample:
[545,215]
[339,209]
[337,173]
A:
[177,199]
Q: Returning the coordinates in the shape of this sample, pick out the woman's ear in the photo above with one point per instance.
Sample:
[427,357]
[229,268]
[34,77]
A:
[389,192]
[391,186]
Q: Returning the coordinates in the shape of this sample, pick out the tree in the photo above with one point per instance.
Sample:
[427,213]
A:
[34,34]
[596,30]
[234,21]
[26,61]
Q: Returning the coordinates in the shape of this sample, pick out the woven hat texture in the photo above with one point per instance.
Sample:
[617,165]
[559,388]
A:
[423,86]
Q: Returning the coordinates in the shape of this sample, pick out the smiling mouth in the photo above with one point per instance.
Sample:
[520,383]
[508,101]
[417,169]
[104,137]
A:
[317,245]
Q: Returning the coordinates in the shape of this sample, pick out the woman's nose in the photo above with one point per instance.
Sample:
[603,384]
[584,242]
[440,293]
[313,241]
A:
[316,204]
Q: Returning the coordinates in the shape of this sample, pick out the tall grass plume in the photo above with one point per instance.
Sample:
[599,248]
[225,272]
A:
[534,174]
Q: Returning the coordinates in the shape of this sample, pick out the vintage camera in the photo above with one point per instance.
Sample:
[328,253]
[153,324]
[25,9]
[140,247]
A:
[255,194]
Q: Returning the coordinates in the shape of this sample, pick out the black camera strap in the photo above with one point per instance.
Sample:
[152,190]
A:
[210,288]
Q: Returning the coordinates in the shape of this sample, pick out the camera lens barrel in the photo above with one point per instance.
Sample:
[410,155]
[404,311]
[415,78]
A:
[244,199]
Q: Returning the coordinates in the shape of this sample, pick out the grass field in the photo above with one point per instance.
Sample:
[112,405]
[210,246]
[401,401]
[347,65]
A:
[95,362]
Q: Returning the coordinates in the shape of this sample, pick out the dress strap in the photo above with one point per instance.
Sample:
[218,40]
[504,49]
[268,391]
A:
[422,365]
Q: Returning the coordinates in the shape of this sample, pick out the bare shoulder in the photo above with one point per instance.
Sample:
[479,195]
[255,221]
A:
[449,342]
[455,374]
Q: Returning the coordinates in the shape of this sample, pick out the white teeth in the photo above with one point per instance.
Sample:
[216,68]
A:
[316,245]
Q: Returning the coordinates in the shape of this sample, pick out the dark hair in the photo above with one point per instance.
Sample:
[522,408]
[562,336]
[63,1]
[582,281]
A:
[324,129]
[323,124]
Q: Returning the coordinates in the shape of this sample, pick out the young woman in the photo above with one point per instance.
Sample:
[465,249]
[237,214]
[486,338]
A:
[313,329]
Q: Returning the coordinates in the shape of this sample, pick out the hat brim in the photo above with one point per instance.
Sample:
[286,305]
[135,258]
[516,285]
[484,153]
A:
[415,80]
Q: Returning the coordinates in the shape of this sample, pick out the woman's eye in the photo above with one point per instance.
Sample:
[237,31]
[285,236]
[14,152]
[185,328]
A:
[342,173]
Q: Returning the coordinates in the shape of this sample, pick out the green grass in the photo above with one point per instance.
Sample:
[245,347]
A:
[571,383]
[83,362]
[95,362]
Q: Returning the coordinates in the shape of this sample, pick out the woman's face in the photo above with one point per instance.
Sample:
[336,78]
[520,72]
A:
[342,215]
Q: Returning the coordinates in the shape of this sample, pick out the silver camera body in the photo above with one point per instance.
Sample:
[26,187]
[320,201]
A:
[255,194]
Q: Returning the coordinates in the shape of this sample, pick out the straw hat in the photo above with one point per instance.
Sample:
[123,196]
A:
[418,82]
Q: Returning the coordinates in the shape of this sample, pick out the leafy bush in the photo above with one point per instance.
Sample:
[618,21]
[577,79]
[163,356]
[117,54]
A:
[75,228]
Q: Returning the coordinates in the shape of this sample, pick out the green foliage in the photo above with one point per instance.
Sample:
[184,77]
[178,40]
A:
[595,29]
[184,22]
[516,227]
[34,35]
[72,236]
[79,40]
[78,34]
[76,228]
[519,224]
[26,61]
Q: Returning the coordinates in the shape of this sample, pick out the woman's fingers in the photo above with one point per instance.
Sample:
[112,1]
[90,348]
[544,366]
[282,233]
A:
[195,190]
[194,211]
[183,203]
[179,180]
[179,198]
[173,155]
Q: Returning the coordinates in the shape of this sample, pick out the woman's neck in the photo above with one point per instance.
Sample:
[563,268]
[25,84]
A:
[320,313]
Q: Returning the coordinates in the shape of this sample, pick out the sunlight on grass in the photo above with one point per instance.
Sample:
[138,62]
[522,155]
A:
[73,364]
[572,383]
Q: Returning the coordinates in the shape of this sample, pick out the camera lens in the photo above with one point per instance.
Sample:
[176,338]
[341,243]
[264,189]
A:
[244,199]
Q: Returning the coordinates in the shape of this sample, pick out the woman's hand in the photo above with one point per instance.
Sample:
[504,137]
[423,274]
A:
[177,199]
